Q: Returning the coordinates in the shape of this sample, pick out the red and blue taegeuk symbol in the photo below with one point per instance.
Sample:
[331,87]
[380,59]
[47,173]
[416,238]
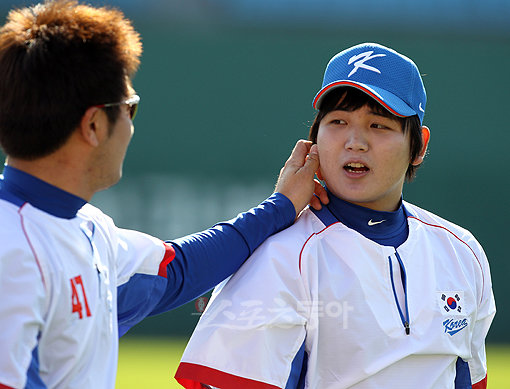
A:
[452,303]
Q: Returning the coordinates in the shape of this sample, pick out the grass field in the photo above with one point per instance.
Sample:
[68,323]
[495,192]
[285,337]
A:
[151,363]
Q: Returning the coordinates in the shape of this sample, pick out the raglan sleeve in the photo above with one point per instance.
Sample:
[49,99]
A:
[252,332]
[156,276]
[485,314]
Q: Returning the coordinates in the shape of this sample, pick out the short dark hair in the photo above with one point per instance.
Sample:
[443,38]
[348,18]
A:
[57,59]
[352,99]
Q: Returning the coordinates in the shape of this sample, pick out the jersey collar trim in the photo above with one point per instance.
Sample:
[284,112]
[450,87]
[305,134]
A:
[20,187]
[385,228]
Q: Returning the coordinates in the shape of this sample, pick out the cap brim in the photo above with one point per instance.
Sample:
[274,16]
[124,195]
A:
[388,100]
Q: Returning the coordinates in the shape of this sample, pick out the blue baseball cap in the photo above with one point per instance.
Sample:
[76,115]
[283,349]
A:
[389,77]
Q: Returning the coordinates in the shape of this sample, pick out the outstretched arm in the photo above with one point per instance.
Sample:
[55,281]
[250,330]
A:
[204,259]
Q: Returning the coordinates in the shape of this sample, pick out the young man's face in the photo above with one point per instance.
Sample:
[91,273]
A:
[363,157]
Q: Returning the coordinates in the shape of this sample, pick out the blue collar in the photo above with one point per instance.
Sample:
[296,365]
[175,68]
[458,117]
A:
[19,187]
[385,228]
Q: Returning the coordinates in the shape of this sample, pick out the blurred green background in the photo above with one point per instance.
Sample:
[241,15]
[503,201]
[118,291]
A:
[223,105]
[226,90]
[222,108]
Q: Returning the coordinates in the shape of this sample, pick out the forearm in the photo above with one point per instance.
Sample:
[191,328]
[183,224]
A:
[206,258]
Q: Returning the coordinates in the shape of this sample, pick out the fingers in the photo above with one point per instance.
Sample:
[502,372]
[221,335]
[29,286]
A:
[320,196]
[312,160]
[315,203]
[321,193]
[299,153]
[296,179]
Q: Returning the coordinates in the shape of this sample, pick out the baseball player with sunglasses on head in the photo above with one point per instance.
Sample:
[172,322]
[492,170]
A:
[370,291]
[70,280]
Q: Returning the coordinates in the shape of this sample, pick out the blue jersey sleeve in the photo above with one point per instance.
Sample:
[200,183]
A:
[201,261]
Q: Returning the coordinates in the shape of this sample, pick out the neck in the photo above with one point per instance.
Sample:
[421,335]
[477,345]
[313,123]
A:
[58,170]
[20,188]
[385,228]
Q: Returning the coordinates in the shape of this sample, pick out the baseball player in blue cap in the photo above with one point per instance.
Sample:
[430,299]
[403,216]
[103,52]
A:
[70,280]
[370,291]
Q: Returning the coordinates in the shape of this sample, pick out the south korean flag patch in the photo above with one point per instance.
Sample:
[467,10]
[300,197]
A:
[450,302]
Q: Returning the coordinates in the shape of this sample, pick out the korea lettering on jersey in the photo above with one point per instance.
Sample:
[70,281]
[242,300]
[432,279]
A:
[58,313]
[315,307]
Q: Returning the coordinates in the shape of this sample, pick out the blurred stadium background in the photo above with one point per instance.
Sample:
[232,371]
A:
[226,88]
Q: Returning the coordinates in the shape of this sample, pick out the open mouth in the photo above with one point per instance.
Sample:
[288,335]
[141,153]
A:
[356,167]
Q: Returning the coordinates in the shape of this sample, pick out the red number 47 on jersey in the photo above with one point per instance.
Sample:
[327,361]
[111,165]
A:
[76,301]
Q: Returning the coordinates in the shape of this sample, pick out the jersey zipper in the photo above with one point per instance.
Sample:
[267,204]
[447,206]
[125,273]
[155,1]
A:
[404,316]
[89,233]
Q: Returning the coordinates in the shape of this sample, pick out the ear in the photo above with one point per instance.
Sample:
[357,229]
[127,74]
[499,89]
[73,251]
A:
[93,126]
[425,136]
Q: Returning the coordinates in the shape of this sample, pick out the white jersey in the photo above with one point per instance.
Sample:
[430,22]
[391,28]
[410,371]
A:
[63,305]
[317,307]
[71,282]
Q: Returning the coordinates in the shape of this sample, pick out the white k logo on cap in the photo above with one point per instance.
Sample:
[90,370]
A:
[360,63]
[392,79]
